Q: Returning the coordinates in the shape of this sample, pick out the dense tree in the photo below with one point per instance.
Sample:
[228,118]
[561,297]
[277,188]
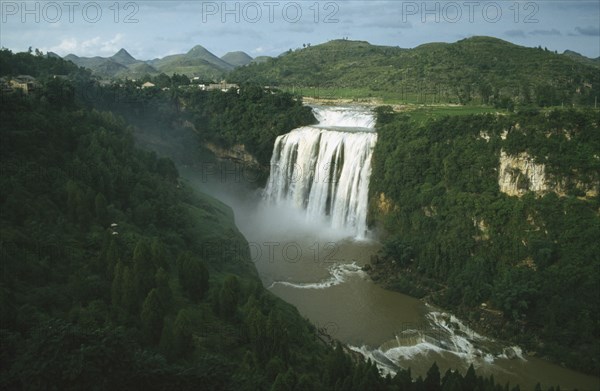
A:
[453,232]
[152,317]
[193,276]
[85,304]
[229,296]
[144,269]
[182,334]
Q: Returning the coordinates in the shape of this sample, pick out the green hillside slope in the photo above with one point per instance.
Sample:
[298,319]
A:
[471,223]
[477,69]
[237,59]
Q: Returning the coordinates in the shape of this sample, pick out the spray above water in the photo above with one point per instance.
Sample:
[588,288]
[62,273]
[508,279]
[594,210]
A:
[325,169]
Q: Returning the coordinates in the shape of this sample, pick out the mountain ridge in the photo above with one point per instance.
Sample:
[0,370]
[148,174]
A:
[478,69]
[237,58]
[198,61]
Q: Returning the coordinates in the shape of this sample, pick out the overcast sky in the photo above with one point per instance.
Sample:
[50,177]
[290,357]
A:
[150,29]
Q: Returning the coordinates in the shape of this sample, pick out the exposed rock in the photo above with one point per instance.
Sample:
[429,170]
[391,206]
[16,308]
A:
[519,174]
[236,153]
[483,228]
[429,210]
[384,205]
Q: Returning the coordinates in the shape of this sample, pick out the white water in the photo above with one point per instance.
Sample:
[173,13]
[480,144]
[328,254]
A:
[344,117]
[445,334]
[325,169]
[339,273]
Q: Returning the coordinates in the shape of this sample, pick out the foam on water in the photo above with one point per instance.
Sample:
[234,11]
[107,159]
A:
[447,335]
[339,273]
[326,172]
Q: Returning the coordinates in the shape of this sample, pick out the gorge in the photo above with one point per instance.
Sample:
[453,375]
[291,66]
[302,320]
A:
[309,239]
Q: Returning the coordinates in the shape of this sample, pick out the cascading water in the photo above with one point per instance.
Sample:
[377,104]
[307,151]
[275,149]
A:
[325,169]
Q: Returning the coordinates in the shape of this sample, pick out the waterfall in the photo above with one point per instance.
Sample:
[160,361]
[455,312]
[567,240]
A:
[325,169]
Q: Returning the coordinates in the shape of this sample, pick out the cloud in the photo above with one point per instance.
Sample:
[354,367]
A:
[515,33]
[545,32]
[299,28]
[387,24]
[589,31]
[90,47]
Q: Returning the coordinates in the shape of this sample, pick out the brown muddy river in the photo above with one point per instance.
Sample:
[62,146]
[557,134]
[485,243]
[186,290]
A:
[319,272]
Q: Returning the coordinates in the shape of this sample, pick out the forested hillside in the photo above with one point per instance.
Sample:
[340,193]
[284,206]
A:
[115,275]
[473,70]
[250,117]
[455,234]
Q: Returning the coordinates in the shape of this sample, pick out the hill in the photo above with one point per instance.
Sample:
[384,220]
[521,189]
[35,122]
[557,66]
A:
[196,62]
[118,276]
[500,210]
[237,59]
[477,69]
[259,59]
[124,58]
[101,66]
[122,64]
[583,59]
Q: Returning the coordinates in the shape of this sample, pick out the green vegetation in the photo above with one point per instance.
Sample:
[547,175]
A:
[38,65]
[535,258]
[237,59]
[252,117]
[196,62]
[118,276]
[100,288]
[480,70]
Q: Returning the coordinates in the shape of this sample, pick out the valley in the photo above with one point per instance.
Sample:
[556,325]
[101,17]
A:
[340,202]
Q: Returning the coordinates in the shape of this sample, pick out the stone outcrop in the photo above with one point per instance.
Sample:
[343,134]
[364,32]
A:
[236,153]
[520,174]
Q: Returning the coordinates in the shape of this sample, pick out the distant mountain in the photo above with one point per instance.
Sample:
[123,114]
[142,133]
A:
[196,62]
[101,66]
[237,59]
[138,70]
[124,58]
[581,58]
[476,69]
[122,64]
[52,55]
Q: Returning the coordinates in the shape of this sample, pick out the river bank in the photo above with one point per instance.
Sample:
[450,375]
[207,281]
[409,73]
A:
[484,319]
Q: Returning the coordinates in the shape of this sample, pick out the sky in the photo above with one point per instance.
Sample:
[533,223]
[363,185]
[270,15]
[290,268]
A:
[151,29]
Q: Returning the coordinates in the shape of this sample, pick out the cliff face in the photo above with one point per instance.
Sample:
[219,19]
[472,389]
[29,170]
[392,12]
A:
[519,174]
[236,153]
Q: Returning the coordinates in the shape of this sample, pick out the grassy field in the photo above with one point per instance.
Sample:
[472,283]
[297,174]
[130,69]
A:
[422,113]
[367,95]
